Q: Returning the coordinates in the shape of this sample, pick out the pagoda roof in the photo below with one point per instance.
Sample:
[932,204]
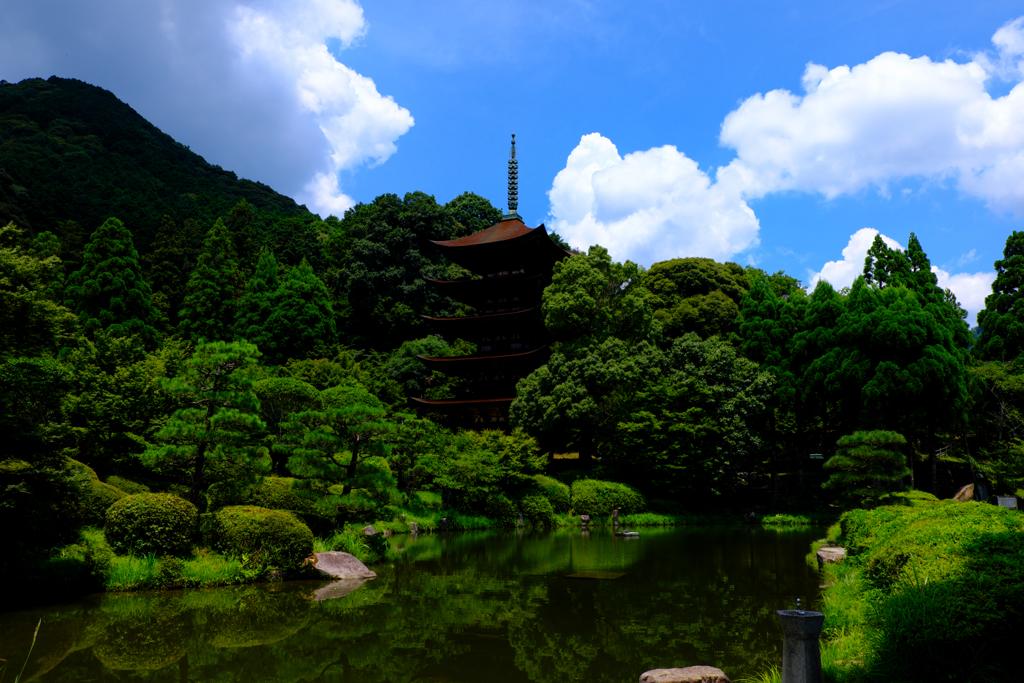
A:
[523,313]
[462,403]
[468,363]
[505,229]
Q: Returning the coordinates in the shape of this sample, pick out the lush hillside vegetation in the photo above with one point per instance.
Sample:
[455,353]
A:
[168,329]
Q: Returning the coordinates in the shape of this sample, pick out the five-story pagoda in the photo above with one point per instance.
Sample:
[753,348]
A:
[513,265]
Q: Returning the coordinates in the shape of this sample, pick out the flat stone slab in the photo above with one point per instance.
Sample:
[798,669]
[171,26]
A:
[830,556]
[338,565]
[338,589]
[691,674]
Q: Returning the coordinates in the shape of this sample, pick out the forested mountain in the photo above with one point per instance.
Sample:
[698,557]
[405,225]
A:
[70,151]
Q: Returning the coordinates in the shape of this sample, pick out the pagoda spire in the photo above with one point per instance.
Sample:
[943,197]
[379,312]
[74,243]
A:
[513,182]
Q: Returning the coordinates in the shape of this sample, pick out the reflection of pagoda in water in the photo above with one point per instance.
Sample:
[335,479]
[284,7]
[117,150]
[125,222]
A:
[514,263]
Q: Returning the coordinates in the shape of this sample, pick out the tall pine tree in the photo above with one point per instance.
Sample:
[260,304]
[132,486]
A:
[1002,320]
[108,291]
[300,317]
[257,303]
[169,266]
[211,298]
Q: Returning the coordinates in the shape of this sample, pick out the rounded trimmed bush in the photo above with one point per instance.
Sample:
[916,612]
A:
[555,491]
[276,536]
[127,485]
[98,500]
[538,509]
[594,497]
[499,507]
[151,522]
[278,493]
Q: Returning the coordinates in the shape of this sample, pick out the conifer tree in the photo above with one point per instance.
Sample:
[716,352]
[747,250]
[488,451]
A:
[108,291]
[208,311]
[169,266]
[213,437]
[257,303]
[300,317]
[1002,320]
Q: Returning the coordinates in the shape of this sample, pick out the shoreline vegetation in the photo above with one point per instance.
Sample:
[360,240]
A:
[930,591]
[92,565]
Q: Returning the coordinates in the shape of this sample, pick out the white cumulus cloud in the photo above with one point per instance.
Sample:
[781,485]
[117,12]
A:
[647,206]
[970,289]
[360,124]
[891,118]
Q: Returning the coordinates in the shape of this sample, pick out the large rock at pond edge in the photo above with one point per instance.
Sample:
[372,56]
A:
[691,674]
[965,494]
[338,565]
[830,556]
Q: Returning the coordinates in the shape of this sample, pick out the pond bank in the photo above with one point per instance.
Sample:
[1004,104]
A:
[926,593]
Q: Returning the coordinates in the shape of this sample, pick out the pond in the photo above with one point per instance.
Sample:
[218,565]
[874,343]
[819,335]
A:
[494,607]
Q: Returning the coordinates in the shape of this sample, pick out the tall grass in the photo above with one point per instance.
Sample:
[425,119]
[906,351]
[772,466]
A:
[132,572]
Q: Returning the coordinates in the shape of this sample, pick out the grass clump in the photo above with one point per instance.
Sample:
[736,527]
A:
[930,592]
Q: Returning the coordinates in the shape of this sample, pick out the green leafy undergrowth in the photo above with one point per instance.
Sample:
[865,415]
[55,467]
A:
[928,593]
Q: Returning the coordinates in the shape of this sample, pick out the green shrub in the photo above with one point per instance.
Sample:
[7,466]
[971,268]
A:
[127,485]
[538,509]
[598,498]
[99,498]
[425,501]
[867,465]
[555,491]
[151,523]
[277,537]
[279,493]
[502,509]
[81,469]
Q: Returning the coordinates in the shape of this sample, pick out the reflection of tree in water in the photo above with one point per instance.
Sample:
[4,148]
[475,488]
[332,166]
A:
[483,603]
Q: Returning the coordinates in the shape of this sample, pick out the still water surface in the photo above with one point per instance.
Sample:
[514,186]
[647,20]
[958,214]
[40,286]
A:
[493,607]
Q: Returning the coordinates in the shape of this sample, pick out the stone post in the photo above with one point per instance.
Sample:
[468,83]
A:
[615,517]
[414,528]
[801,652]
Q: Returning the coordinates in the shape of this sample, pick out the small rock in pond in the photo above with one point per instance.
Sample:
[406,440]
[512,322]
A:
[585,519]
[691,674]
[369,530]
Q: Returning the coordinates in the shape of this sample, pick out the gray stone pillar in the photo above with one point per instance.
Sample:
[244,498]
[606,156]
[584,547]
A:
[615,517]
[801,652]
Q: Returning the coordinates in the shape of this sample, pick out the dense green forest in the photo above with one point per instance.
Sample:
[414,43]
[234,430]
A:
[168,328]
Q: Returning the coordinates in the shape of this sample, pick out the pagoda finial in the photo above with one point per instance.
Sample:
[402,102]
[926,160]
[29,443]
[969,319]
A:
[513,181]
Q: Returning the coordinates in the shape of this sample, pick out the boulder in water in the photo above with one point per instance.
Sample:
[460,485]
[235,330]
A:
[691,674]
[338,565]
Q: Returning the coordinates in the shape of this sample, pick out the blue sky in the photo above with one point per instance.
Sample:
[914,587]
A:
[780,134]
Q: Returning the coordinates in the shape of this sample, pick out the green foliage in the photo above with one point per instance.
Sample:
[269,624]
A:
[502,509]
[1001,323]
[151,523]
[213,438]
[474,466]
[279,397]
[867,465]
[598,498]
[208,310]
[426,500]
[936,588]
[592,298]
[257,302]
[276,537]
[80,154]
[537,509]
[300,317]
[108,292]
[100,497]
[696,295]
[168,267]
[555,491]
[31,321]
[386,265]
[127,485]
